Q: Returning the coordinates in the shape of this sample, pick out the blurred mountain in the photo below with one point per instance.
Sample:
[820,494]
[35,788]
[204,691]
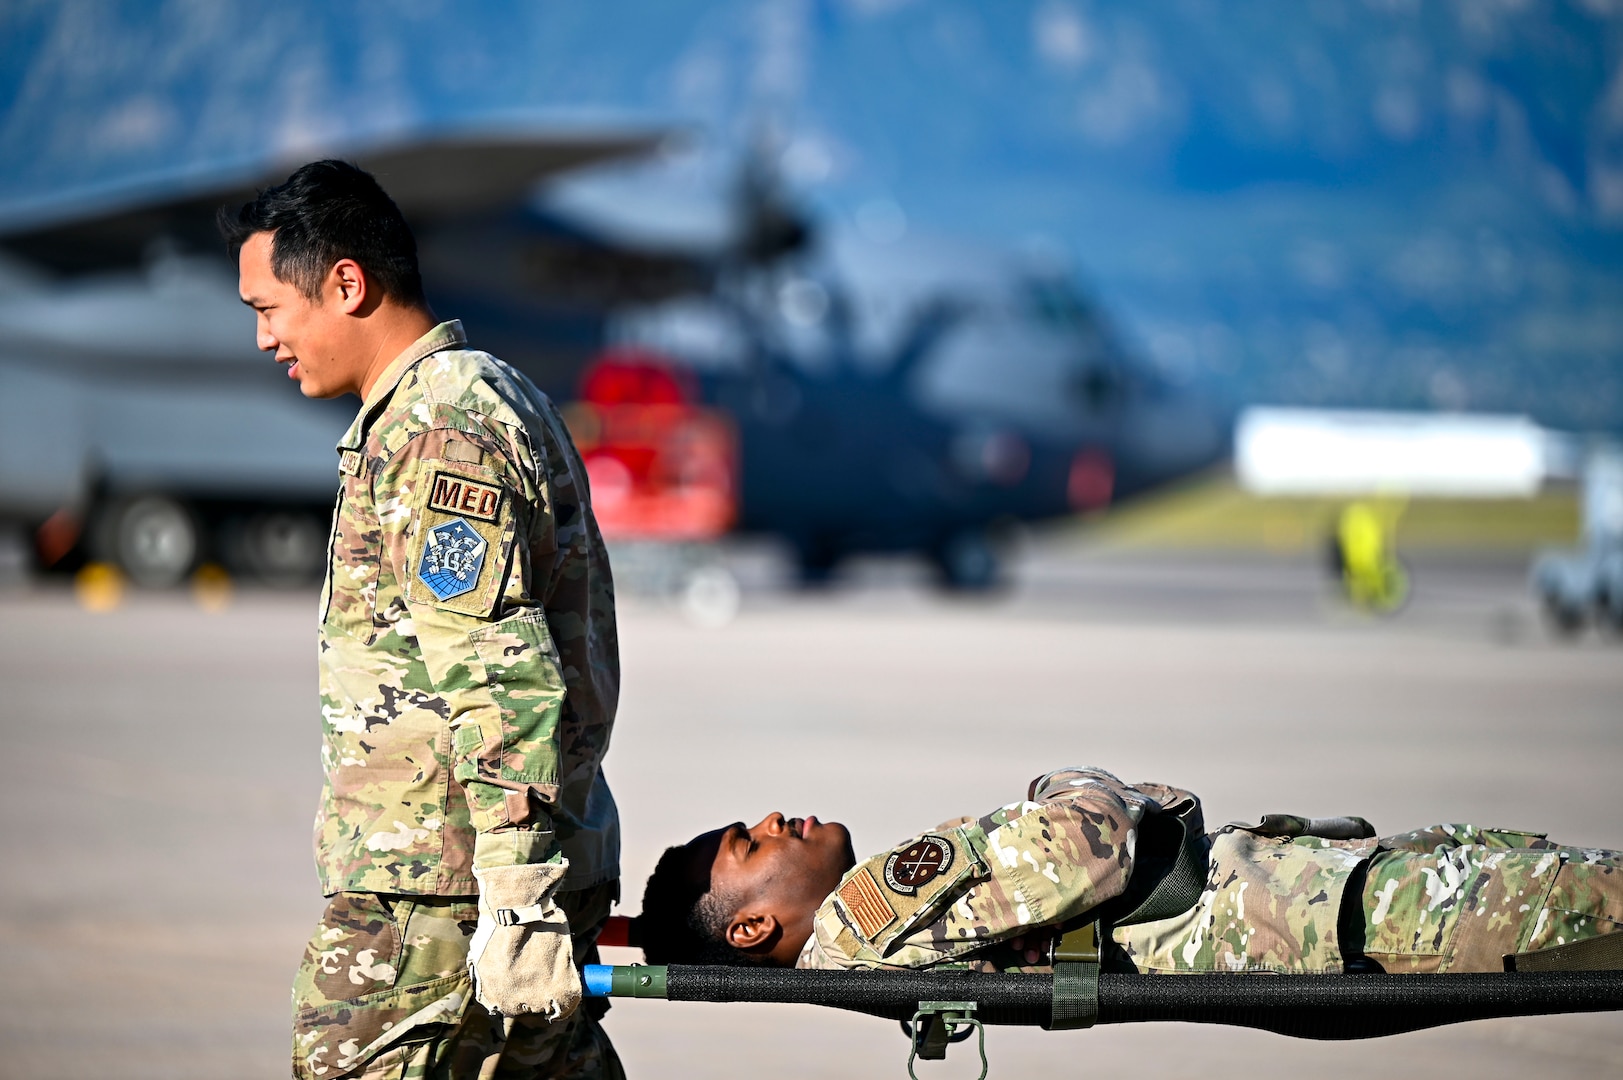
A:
[1398,203]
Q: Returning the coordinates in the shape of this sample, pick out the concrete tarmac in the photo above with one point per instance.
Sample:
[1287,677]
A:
[161,772]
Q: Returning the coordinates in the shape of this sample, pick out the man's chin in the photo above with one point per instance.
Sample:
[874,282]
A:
[311,389]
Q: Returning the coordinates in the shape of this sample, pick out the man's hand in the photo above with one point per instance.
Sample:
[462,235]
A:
[521,956]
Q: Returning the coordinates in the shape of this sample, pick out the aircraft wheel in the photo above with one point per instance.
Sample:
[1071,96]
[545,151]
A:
[1609,615]
[153,538]
[1567,620]
[967,562]
[283,547]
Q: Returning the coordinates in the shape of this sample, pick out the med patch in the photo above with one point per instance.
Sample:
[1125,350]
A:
[453,555]
[453,494]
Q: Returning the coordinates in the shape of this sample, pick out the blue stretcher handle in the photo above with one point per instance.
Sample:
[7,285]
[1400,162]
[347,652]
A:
[615,980]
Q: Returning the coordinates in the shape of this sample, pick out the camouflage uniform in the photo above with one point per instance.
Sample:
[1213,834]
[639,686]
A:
[991,893]
[467,635]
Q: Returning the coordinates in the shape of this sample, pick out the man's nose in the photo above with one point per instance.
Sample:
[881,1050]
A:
[264,338]
[773,823]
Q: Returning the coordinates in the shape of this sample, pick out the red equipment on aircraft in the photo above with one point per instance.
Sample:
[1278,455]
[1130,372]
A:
[661,466]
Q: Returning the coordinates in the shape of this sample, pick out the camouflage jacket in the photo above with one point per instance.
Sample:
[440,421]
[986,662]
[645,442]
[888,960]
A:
[989,893]
[467,635]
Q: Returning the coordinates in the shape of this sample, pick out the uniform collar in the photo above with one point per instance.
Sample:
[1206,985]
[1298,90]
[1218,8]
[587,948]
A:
[444,336]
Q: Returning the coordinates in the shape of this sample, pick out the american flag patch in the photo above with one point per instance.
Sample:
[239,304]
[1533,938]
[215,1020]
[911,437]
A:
[865,901]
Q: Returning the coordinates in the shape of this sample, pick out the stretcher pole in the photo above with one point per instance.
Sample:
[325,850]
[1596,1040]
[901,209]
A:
[1331,1007]
[1304,1006]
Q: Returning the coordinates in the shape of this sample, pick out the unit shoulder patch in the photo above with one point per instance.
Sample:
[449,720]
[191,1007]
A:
[453,555]
[463,534]
[917,864]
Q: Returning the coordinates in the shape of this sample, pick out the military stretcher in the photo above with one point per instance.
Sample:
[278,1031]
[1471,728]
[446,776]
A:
[938,1007]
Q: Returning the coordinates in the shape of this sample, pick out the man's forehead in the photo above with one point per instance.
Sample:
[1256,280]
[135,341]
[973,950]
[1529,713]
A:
[257,283]
[253,258]
[701,856]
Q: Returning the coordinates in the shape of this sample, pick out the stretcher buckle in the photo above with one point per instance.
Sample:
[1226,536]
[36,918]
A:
[938,1023]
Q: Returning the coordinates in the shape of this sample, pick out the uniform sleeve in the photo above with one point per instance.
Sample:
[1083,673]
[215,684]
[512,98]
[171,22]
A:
[1065,849]
[460,520]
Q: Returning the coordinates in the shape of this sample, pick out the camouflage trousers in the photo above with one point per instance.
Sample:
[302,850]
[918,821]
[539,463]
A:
[383,994]
[1460,898]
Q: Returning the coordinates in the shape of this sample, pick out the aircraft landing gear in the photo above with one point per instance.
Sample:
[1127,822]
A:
[158,541]
[1566,620]
[815,561]
[153,538]
[280,547]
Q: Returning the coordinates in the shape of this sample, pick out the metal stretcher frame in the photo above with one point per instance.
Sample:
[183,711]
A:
[949,1005]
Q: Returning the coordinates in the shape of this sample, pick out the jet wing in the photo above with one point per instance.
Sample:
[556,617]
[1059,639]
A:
[430,178]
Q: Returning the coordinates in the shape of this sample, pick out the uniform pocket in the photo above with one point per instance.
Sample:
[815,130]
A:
[1456,908]
[355,951]
[525,675]
[380,978]
[339,1040]
[1585,900]
[353,560]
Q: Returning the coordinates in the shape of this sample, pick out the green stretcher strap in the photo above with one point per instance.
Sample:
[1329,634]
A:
[1177,887]
[1604,953]
[1075,996]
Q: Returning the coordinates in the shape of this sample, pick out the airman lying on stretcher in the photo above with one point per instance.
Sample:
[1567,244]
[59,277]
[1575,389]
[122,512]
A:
[1134,862]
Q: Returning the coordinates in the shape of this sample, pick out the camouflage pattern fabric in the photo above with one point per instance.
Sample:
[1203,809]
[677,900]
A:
[949,893]
[991,894]
[383,993]
[1460,898]
[467,634]
[1271,904]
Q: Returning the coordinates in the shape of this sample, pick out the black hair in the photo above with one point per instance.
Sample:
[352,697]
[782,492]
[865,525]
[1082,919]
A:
[685,922]
[326,211]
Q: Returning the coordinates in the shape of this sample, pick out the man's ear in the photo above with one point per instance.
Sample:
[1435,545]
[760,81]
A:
[753,931]
[348,281]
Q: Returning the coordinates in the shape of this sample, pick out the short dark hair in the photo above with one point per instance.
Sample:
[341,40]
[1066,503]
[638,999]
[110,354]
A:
[326,211]
[684,922]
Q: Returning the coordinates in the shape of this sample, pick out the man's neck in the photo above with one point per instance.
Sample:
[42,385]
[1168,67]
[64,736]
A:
[392,329]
